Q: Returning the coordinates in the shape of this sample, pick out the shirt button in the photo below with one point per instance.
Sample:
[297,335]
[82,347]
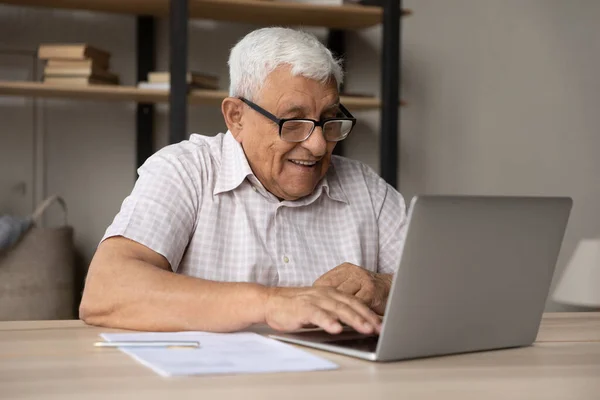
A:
[286,259]
[254,188]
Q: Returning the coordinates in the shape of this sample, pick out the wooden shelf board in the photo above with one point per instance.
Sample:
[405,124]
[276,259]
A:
[131,93]
[93,92]
[259,12]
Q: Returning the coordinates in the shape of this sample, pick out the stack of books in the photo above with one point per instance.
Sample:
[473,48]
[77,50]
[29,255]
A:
[76,64]
[195,80]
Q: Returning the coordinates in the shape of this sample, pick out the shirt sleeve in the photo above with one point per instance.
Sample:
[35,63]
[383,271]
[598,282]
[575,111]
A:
[392,222]
[160,213]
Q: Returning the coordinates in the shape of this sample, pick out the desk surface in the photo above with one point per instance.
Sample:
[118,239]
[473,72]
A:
[56,360]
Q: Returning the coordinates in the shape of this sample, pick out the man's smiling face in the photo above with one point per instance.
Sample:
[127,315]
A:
[289,170]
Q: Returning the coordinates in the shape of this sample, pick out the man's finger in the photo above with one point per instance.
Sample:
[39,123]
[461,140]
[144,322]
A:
[322,281]
[348,315]
[365,294]
[326,320]
[350,286]
[360,308]
[373,298]
[330,280]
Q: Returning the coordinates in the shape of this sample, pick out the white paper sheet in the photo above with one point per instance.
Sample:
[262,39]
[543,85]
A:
[219,353]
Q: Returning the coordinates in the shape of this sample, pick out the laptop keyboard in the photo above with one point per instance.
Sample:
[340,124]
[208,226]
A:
[348,338]
[368,343]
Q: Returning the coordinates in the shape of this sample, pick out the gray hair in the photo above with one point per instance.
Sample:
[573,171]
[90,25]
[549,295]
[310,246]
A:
[254,57]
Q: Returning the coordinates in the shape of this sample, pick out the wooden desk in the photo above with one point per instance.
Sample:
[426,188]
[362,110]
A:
[56,360]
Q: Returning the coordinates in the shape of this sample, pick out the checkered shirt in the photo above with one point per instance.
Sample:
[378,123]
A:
[199,205]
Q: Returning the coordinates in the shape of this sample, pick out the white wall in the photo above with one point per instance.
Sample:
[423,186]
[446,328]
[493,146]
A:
[503,98]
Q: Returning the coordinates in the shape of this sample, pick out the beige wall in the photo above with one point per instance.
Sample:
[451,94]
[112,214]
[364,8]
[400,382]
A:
[503,98]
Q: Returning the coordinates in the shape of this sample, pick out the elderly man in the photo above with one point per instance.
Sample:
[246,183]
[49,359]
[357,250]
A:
[260,224]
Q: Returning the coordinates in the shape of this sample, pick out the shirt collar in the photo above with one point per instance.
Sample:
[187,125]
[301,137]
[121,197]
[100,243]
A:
[235,169]
[330,184]
[234,166]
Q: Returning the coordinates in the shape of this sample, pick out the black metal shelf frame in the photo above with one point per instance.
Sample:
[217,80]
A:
[146,58]
[390,92]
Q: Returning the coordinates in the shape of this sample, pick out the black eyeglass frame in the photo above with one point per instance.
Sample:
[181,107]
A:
[321,123]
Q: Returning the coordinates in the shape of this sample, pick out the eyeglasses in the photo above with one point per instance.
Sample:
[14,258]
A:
[299,129]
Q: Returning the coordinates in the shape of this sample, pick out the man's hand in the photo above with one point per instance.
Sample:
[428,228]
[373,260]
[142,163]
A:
[288,309]
[372,288]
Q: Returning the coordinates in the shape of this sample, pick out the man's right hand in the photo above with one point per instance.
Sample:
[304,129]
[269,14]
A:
[289,309]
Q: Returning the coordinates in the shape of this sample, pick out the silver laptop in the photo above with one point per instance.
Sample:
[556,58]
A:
[474,275]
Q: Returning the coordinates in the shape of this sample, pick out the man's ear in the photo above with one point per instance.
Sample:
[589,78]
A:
[232,110]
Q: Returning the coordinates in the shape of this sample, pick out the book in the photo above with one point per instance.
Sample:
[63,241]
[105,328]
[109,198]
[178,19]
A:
[196,79]
[73,52]
[75,81]
[166,86]
[93,72]
[154,85]
[87,63]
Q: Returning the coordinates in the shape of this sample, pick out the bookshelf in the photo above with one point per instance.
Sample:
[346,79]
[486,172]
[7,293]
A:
[338,18]
[131,93]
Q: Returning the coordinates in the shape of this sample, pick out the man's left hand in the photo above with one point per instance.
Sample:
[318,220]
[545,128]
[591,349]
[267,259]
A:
[370,287]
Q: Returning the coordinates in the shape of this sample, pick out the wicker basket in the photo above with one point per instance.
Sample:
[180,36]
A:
[37,274]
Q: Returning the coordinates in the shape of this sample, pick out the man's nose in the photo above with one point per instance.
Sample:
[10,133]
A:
[316,143]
